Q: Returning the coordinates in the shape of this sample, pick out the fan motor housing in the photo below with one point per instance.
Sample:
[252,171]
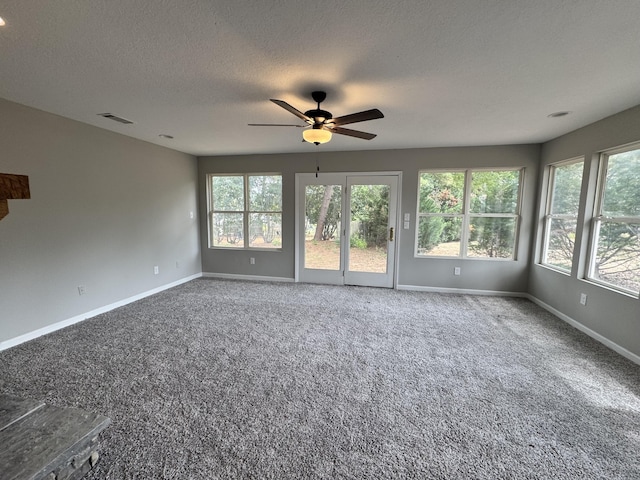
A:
[318,114]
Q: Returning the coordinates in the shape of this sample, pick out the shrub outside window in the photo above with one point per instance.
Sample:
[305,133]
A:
[245,211]
[561,219]
[615,252]
[468,214]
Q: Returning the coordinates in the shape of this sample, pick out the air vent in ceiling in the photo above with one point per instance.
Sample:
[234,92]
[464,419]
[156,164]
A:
[115,118]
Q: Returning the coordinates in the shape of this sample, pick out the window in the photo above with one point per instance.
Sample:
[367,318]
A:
[561,219]
[615,253]
[468,214]
[245,211]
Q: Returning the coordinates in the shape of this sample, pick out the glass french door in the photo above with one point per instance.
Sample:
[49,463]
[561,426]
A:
[346,227]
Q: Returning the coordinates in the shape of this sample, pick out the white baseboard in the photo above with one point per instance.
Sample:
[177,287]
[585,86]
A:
[259,278]
[593,334]
[461,291]
[12,342]
[78,318]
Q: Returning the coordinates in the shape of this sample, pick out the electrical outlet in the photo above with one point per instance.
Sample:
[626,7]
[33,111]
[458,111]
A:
[81,290]
[156,270]
[252,261]
[583,299]
[456,270]
[191,215]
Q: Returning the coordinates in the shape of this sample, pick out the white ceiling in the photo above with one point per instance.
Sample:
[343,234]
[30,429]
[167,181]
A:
[444,72]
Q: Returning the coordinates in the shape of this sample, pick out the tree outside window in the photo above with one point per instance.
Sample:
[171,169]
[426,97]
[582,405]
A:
[468,214]
[440,213]
[245,211]
[227,206]
[561,220]
[615,255]
[265,211]
[493,213]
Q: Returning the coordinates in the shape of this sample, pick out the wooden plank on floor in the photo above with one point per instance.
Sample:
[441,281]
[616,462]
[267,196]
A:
[49,437]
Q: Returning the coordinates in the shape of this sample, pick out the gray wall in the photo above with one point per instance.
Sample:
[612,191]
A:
[508,276]
[613,315]
[104,209]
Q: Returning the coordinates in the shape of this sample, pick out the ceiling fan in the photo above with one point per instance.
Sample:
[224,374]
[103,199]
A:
[322,124]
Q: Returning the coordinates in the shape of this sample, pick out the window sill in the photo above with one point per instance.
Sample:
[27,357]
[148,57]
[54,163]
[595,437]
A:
[554,269]
[243,249]
[610,288]
[474,259]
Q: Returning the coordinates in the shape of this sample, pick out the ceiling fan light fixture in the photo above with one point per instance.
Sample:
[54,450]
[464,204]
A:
[316,135]
[322,123]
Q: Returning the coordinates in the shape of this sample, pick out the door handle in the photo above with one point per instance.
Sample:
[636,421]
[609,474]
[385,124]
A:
[391,234]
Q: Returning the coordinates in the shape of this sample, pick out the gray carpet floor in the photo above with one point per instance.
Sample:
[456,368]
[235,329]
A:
[220,379]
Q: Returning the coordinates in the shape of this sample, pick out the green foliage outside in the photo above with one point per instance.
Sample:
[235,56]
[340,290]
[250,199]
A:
[228,205]
[265,199]
[370,213]
[265,193]
[314,196]
[492,193]
[440,193]
[618,245]
[227,195]
[356,241]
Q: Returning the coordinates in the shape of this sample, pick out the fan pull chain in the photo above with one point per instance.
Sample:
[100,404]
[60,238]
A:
[317,167]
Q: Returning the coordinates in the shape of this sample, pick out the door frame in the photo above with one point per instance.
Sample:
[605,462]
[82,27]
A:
[332,176]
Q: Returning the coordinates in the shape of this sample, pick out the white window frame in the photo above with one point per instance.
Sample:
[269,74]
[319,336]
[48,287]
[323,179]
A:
[598,218]
[549,215]
[461,215]
[466,214]
[246,212]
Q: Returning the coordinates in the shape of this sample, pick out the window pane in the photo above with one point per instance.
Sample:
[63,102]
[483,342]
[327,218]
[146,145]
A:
[265,193]
[560,242]
[322,227]
[441,192]
[618,255]
[227,193]
[439,236]
[567,182]
[491,237]
[622,185]
[265,230]
[369,232]
[226,230]
[495,192]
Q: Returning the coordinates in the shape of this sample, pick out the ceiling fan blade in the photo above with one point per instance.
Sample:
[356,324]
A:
[291,109]
[352,133]
[357,117]
[276,125]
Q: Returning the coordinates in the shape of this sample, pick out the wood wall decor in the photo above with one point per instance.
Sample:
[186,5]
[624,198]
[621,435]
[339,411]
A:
[12,187]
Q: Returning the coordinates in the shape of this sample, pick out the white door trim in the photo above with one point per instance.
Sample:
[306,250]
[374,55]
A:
[340,178]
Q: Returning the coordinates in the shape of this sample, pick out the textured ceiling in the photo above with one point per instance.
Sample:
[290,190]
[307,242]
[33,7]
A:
[444,72]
